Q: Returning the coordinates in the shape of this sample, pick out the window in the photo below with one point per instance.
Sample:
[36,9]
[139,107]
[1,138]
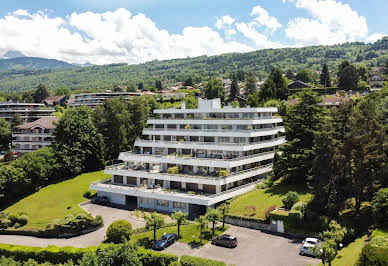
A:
[146,201]
[179,205]
[163,203]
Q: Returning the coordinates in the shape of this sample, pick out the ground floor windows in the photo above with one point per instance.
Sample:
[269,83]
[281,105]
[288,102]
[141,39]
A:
[179,205]
[163,203]
[146,201]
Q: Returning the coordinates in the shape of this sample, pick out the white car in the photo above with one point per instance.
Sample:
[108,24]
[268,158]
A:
[308,245]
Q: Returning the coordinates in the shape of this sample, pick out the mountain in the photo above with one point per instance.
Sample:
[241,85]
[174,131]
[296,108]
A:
[12,54]
[33,63]
[261,62]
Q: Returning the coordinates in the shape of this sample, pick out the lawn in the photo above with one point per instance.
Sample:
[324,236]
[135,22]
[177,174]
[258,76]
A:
[262,199]
[187,232]
[55,201]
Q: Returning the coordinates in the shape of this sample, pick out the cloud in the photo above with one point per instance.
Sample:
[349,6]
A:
[261,41]
[224,21]
[331,22]
[374,37]
[109,37]
[263,18]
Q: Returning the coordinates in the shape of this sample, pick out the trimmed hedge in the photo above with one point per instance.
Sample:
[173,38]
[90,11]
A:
[250,219]
[118,230]
[195,261]
[373,255]
[153,258]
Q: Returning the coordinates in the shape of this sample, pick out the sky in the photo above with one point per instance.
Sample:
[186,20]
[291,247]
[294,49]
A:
[137,31]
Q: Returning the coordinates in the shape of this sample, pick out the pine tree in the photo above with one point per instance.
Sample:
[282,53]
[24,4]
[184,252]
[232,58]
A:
[250,83]
[41,93]
[325,76]
[234,89]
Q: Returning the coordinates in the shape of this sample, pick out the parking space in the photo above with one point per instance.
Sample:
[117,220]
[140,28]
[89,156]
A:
[254,248]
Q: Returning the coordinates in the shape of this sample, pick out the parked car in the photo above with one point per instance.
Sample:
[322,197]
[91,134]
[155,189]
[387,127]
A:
[165,241]
[103,200]
[225,240]
[308,245]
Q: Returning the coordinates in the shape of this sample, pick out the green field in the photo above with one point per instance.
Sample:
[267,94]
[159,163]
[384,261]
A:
[55,201]
[187,232]
[264,198]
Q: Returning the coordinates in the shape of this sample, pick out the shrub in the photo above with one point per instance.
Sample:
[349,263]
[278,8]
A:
[373,255]
[270,181]
[14,218]
[5,223]
[261,185]
[173,170]
[8,156]
[290,199]
[223,173]
[152,258]
[87,194]
[71,224]
[195,261]
[118,231]
[269,210]
[379,205]
[23,219]
[295,216]
[300,206]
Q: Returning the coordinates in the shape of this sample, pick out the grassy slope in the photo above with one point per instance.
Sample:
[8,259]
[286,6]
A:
[187,232]
[264,198]
[52,202]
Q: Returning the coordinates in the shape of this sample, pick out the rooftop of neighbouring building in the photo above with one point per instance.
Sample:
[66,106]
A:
[45,122]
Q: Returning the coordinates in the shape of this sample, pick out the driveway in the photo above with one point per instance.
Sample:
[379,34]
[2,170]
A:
[92,239]
[254,248]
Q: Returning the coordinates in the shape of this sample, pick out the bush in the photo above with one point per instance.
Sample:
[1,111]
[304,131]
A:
[71,224]
[87,194]
[295,216]
[173,170]
[269,210]
[23,219]
[290,199]
[118,231]
[153,258]
[373,255]
[379,205]
[14,218]
[8,156]
[195,261]
[301,207]
[5,223]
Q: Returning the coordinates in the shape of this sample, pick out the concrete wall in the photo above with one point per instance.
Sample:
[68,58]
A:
[113,197]
[251,224]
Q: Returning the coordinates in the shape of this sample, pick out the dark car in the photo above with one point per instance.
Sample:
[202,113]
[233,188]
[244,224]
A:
[102,200]
[225,241]
[165,241]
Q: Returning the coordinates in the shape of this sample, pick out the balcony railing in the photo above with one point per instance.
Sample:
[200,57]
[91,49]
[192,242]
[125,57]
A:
[214,130]
[217,118]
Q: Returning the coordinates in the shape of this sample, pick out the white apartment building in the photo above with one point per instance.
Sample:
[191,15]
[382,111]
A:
[192,159]
[96,98]
[34,135]
[27,111]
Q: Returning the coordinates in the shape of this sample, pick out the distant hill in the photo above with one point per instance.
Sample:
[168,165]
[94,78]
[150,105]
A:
[261,62]
[12,54]
[32,63]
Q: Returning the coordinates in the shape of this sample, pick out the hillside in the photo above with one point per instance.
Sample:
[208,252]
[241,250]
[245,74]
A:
[33,63]
[106,76]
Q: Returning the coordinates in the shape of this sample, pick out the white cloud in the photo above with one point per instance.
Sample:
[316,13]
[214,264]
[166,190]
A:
[374,37]
[224,21]
[261,41]
[331,22]
[109,37]
[263,18]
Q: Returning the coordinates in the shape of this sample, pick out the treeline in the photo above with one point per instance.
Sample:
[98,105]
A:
[85,140]
[261,62]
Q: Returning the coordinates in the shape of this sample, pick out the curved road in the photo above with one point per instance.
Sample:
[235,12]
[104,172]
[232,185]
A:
[92,239]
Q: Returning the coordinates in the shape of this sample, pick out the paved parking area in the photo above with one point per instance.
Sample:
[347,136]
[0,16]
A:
[254,248]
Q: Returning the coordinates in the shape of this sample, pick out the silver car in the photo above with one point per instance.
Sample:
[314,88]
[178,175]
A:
[308,245]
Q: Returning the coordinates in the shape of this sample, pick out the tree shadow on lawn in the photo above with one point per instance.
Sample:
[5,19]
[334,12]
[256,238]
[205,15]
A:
[282,189]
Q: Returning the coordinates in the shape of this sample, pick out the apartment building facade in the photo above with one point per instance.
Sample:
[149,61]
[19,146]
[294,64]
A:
[34,135]
[27,111]
[94,99]
[192,159]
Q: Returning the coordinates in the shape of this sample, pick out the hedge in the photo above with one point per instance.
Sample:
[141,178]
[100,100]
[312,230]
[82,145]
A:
[195,261]
[58,255]
[250,219]
[373,255]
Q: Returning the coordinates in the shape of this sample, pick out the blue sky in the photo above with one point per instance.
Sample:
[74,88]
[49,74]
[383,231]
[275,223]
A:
[109,31]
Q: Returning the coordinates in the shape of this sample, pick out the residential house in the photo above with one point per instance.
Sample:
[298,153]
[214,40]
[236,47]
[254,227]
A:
[56,100]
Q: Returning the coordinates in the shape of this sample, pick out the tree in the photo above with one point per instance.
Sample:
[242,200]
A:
[290,74]
[281,91]
[301,121]
[213,89]
[188,82]
[379,205]
[62,91]
[305,76]
[213,215]
[16,120]
[8,156]
[180,218]
[158,85]
[253,100]
[234,89]
[267,90]
[201,223]
[140,87]
[250,83]
[41,93]
[78,143]
[325,79]
[5,134]
[240,75]
[122,254]
[362,72]
[154,221]
[119,231]
[348,78]
[290,199]
[332,238]
[224,210]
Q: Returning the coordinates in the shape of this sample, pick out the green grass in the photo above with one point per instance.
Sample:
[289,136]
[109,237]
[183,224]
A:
[55,201]
[262,199]
[380,232]
[187,232]
[349,254]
